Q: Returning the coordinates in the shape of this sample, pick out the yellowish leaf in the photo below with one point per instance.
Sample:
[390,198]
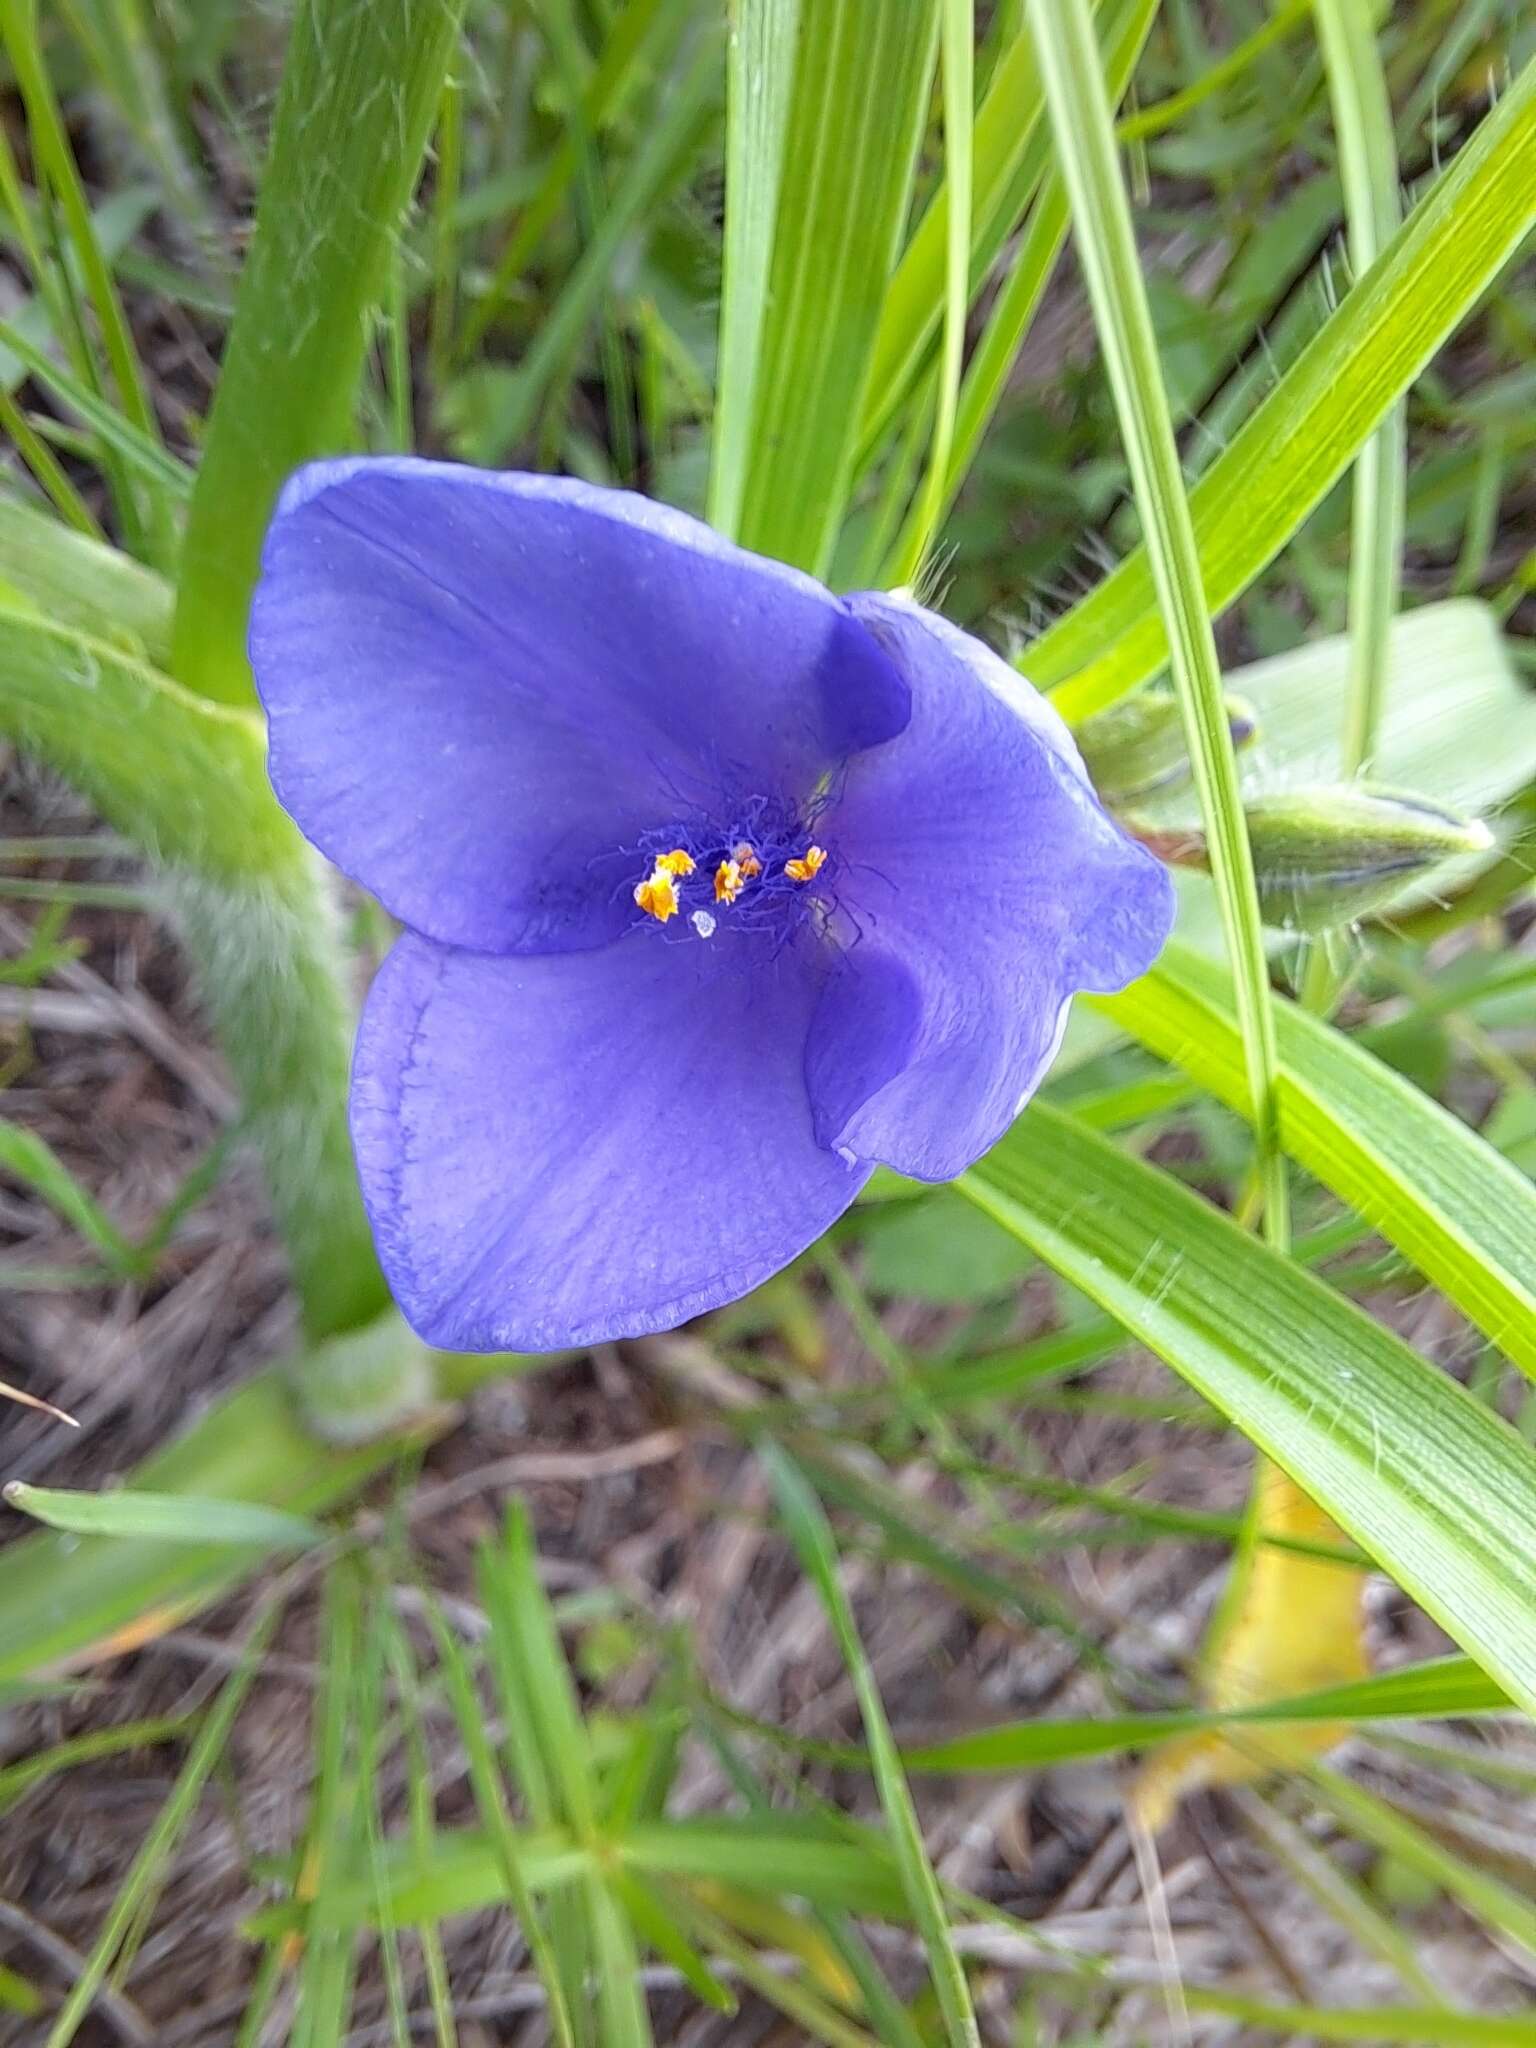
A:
[1290,1625]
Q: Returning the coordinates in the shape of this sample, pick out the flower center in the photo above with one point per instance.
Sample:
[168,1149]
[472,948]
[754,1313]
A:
[753,876]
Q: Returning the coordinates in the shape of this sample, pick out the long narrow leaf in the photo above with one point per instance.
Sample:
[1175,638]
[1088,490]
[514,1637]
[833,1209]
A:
[812,1538]
[1448,1685]
[360,87]
[1453,1205]
[165,1517]
[1425,1479]
[763,40]
[1303,437]
[1104,236]
[1368,162]
[849,156]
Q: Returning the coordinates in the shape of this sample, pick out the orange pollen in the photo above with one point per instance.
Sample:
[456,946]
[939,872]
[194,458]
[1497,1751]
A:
[810,863]
[675,863]
[729,881]
[746,859]
[657,894]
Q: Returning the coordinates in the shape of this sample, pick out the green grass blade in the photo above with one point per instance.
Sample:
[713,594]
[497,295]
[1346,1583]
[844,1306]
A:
[1422,1476]
[1484,1896]
[164,1517]
[566,43]
[18,1779]
[546,1742]
[1010,153]
[446,186]
[849,157]
[1008,1596]
[73,580]
[891,2020]
[119,433]
[663,152]
[812,1538]
[1340,1892]
[187,780]
[957,40]
[360,87]
[1120,1517]
[1215,77]
[622,2018]
[28,1158]
[511,1588]
[1311,426]
[63,1598]
[781,1855]
[401,1664]
[812,2016]
[638,47]
[50,308]
[1106,244]
[1008,322]
[47,470]
[1362,115]
[1448,1685]
[763,39]
[656,1927]
[329,1956]
[119,44]
[506,1842]
[55,159]
[1376,2025]
[1460,1211]
[173,1816]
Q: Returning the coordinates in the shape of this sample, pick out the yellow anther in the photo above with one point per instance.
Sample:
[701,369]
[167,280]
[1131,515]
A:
[657,894]
[746,859]
[810,863]
[729,881]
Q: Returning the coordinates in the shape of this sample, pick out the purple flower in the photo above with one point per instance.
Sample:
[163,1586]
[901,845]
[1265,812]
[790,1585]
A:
[718,889]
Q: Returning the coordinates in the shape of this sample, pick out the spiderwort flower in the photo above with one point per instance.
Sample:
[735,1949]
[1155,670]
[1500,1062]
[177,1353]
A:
[718,889]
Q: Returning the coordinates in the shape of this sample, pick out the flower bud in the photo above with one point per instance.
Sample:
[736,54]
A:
[1323,857]
[1136,747]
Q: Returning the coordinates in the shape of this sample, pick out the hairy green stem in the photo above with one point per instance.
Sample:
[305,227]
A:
[361,85]
[187,781]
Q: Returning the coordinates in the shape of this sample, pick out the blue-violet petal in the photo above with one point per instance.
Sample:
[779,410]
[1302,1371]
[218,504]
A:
[484,689]
[560,1149]
[982,886]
